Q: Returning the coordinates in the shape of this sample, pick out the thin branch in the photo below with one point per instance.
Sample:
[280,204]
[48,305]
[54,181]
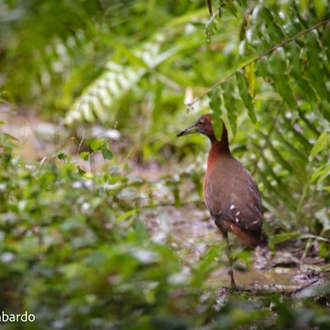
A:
[258,58]
[209,4]
[293,293]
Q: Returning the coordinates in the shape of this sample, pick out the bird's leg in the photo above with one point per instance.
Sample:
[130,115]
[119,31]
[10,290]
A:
[228,252]
[230,258]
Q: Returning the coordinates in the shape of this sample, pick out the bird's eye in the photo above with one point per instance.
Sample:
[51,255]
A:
[201,123]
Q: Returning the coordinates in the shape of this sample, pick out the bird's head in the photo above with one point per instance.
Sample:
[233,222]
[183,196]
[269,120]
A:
[203,126]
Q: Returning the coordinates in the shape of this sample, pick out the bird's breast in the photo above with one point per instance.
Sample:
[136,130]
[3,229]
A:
[217,181]
[214,187]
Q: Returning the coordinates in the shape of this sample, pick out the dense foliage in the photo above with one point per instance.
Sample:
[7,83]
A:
[76,249]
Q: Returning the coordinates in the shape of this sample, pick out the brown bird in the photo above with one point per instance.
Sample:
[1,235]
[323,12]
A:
[230,192]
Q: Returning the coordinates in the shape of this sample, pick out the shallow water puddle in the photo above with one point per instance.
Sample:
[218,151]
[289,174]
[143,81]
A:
[262,279]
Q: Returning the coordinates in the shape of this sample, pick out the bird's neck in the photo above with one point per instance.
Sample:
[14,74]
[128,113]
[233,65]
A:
[219,149]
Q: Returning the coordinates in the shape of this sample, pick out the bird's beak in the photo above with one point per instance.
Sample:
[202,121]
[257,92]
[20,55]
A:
[190,130]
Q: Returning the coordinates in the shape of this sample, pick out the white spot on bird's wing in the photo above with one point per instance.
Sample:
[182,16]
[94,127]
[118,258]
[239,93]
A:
[232,206]
[236,219]
[237,213]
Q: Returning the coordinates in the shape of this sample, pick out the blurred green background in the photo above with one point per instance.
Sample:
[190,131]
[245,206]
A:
[102,224]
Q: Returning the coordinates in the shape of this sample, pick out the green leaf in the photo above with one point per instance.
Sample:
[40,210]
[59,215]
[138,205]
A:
[107,154]
[281,187]
[216,112]
[126,215]
[140,231]
[325,109]
[262,68]
[274,31]
[322,143]
[81,172]
[85,155]
[297,72]
[315,69]
[291,148]
[325,41]
[275,192]
[320,6]
[210,27]
[244,87]
[278,157]
[252,79]
[231,104]
[283,237]
[230,6]
[279,73]
[299,136]
[97,144]
[271,204]
[61,155]
[242,3]
[320,174]
[176,194]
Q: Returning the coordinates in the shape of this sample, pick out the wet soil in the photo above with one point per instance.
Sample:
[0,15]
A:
[191,233]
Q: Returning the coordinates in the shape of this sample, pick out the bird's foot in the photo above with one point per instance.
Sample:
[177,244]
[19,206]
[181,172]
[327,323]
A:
[232,280]
[233,286]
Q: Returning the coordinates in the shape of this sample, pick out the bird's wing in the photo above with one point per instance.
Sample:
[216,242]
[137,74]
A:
[239,202]
[244,210]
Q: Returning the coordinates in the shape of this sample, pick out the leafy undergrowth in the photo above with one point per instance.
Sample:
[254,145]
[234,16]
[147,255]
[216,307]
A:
[79,250]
